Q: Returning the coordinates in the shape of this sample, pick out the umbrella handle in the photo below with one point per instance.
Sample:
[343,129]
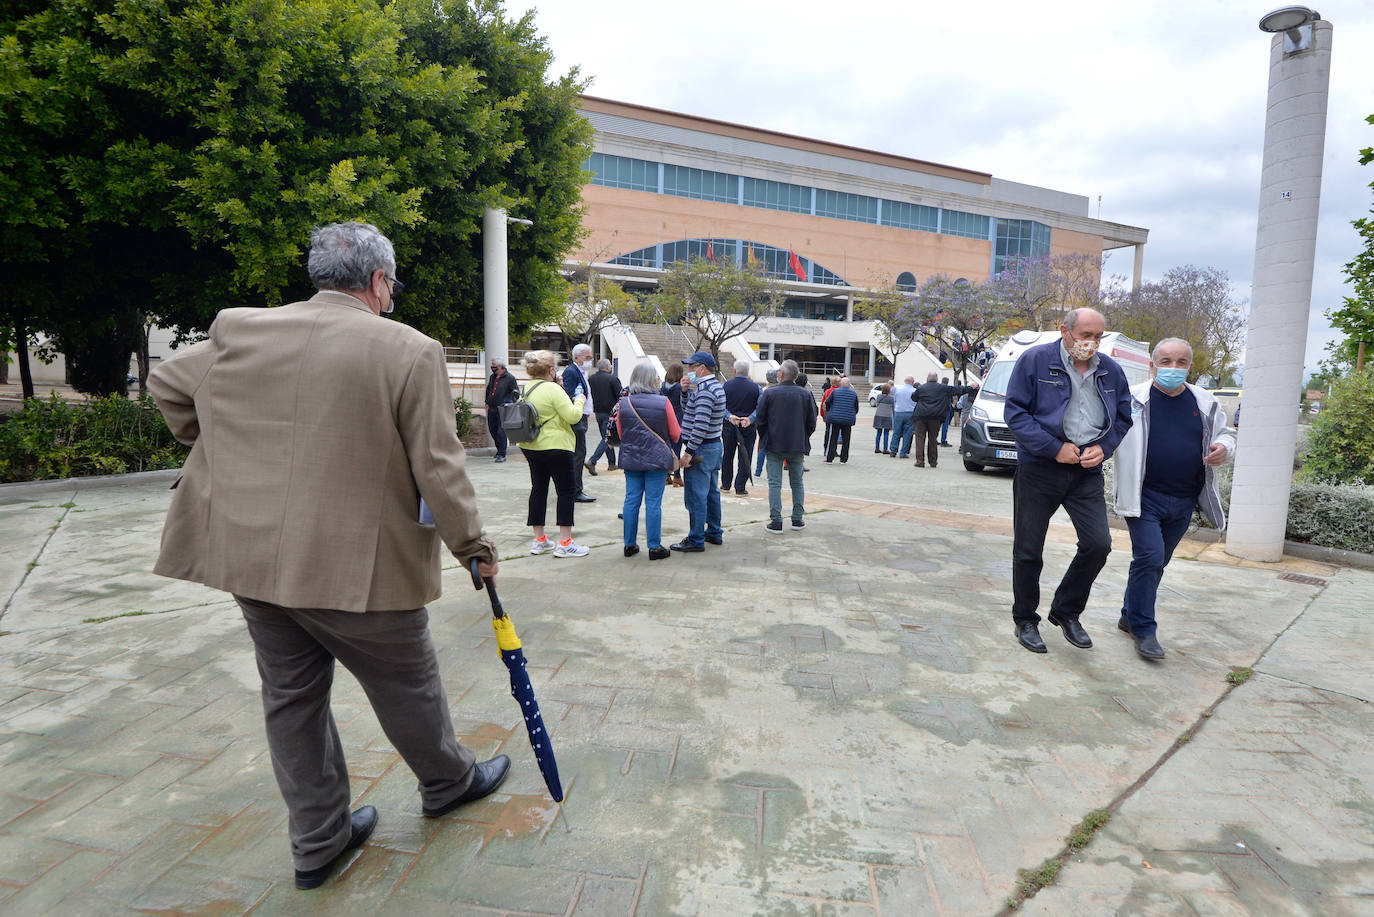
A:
[478,581]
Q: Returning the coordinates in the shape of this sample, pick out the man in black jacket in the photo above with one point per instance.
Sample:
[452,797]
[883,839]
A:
[501,389]
[932,401]
[606,389]
[736,435]
[786,418]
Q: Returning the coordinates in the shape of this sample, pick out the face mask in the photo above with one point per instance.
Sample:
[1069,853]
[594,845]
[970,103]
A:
[1083,350]
[1170,379]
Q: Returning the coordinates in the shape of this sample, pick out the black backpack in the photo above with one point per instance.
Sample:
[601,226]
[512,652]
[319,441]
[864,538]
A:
[520,419]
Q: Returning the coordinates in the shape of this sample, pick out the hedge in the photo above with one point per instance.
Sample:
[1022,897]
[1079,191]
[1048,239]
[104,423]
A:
[110,435]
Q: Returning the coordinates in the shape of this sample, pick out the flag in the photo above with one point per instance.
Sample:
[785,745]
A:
[710,253]
[753,262]
[795,264]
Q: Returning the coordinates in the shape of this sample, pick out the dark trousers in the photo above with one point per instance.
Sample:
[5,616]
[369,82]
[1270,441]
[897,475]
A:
[827,439]
[839,442]
[579,454]
[927,439]
[738,455]
[392,656]
[498,433]
[550,465]
[1038,490]
[1161,525]
[603,423]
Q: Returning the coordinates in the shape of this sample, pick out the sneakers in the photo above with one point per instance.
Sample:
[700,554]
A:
[798,524]
[541,546]
[570,548]
[775,526]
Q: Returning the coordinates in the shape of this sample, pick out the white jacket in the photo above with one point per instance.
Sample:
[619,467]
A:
[1129,474]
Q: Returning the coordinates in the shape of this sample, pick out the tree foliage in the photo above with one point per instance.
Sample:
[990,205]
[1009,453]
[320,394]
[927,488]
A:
[715,301]
[1340,444]
[1036,292]
[1193,303]
[589,304]
[170,157]
[884,306]
[957,316]
[1355,317]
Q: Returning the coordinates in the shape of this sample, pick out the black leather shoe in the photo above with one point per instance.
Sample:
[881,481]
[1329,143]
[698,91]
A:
[584,498]
[1149,647]
[659,553]
[687,547]
[486,777]
[1122,626]
[631,550]
[591,469]
[362,823]
[1029,637]
[1073,631]
[712,539]
[741,493]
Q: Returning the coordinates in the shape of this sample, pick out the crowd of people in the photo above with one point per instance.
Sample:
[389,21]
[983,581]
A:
[323,515]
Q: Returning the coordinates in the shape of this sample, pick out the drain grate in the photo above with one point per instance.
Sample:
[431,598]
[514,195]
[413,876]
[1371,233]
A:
[1302,578]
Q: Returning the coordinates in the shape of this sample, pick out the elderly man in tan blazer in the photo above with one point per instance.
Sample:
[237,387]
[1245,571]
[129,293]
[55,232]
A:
[316,428]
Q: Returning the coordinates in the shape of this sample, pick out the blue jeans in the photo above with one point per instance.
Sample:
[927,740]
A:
[701,494]
[880,439]
[758,464]
[944,427]
[902,429]
[647,486]
[603,422]
[1162,523]
[794,475]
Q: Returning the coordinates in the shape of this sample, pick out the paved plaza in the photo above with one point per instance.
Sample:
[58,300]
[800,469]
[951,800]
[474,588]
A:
[832,722]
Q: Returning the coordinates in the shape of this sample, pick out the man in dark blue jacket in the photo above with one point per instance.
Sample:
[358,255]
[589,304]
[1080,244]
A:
[843,411]
[1068,407]
[736,435]
[786,418]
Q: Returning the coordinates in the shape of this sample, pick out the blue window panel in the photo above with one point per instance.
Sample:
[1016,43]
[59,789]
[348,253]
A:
[967,225]
[1019,238]
[776,195]
[623,172]
[844,206]
[700,184]
[911,216]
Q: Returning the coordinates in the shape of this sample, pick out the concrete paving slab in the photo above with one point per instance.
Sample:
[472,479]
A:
[835,721]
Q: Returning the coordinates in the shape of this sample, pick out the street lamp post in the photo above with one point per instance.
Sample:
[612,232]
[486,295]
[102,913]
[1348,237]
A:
[495,284]
[1285,248]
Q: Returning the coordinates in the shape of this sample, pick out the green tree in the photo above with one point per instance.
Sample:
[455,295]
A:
[884,306]
[1340,444]
[190,145]
[958,316]
[589,304]
[1355,318]
[715,301]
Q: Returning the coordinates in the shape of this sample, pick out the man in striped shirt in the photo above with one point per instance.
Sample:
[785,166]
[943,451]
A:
[703,413]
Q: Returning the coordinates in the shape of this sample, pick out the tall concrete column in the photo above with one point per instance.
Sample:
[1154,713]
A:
[1285,247]
[495,302]
[1139,267]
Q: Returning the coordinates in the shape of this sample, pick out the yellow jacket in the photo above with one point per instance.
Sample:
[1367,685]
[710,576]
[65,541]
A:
[557,414]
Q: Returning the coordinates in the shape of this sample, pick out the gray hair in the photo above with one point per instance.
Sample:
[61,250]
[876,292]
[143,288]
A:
[741,367]
[497,361]
[788,370]
[580,349]
[1072,316]
[604,365]
[1154,354]
[643,379]
[344,256]
[771,377]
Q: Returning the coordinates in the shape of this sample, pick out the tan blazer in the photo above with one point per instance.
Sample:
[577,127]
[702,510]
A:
[315,429]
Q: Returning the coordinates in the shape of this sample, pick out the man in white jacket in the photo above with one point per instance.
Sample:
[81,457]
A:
[1166,466]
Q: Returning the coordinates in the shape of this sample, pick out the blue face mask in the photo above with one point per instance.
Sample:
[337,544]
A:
[1170,379]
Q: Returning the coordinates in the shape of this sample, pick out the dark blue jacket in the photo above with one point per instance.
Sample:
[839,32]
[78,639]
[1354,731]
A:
[741,396]
[640,449]
[843,407]
[786,418]
[1038,396]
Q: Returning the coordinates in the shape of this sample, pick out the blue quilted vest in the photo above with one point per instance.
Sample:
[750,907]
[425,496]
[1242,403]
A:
[640,449]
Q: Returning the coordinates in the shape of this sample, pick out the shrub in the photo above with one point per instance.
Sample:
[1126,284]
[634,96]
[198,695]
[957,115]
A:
[110,435]
[462,412]
[1341,442]
[1332,515]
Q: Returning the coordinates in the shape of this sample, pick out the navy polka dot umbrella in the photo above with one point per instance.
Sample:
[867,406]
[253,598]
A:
[520,688]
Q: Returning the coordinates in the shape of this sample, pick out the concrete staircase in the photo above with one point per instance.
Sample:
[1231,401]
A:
[670,344]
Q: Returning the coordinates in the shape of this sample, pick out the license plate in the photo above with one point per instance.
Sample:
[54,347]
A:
[1006,454]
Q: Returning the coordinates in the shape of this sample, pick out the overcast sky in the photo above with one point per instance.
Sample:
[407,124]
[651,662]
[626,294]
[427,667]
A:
[1158,107]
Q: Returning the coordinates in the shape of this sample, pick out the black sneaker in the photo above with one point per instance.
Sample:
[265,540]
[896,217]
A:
[775,526]
[798,524]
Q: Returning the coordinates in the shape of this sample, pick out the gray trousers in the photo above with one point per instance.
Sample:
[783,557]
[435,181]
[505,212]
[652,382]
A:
[392,656]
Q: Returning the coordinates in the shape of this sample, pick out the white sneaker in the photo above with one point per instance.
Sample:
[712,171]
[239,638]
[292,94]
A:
[541,546]
[571,549]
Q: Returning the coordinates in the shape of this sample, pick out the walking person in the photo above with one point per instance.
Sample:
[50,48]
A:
[844,413]
[903,408]
[1165,468]
[703,412]
[577,384]
[606,390]
[550,455]
[1068,407]
[648,430]
[950,410]
[882,418]
[786,420]
[737,435]
[306,509]
[672,390]
[501,389]
[932,404]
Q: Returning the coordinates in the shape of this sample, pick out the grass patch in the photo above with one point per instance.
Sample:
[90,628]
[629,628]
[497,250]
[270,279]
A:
[1239,675]
[1030,881]
[127,614]
[1090,825]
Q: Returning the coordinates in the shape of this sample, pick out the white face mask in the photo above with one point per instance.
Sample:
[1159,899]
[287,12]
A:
[1083,350]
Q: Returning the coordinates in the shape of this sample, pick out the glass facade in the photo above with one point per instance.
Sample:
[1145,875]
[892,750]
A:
[772,261]
[776,195]
[968,225]
[912,216]
[700,184]
[623,172]
[843,206]
[1023,238]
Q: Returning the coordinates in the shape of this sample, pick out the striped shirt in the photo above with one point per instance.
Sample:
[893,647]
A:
[703,412]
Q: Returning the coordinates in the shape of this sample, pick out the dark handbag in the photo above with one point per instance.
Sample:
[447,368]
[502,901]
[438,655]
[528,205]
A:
[613,427]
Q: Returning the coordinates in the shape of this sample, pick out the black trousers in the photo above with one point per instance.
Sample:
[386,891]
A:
[737,455]
[928,439]
[839,441]
[498,433]
[1038,490]
[550,465]
[579,454]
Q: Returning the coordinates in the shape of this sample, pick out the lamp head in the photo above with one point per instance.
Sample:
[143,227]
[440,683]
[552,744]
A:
[1295,22]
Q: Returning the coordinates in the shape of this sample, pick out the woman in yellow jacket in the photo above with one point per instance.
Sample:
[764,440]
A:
[550,454]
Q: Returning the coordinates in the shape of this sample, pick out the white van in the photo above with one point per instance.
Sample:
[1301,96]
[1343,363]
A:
[986,439]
